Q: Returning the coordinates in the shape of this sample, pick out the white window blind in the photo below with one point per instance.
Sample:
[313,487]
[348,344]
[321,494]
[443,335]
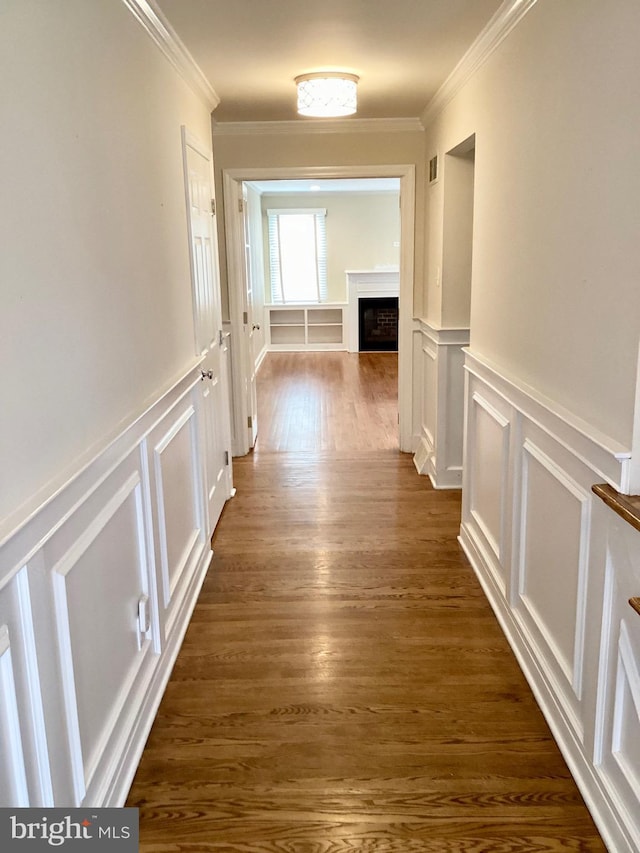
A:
[297,255]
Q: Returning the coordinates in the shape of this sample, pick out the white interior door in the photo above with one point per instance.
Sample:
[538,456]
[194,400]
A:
[250,326]
[209,341]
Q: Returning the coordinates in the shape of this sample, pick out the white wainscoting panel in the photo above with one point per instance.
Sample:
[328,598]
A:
[440,401]
[100,571]
[429,400]
[13,776]
[617,745]
[25,777]
[552,565]
[177,475]
[488,477]
[96,591]
[453,401]
[528,529]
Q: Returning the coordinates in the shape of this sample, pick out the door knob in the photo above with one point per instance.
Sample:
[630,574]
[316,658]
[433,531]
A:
[206,374]
[256,326]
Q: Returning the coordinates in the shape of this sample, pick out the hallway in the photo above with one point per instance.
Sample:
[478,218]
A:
[343,684]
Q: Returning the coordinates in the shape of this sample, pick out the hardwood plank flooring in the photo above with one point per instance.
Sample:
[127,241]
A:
[344,685]
[328,401]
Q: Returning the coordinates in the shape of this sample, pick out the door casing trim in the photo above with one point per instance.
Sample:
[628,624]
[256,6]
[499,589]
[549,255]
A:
[232,180]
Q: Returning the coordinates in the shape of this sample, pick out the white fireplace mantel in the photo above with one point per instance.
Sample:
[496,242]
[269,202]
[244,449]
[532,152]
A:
[363,284]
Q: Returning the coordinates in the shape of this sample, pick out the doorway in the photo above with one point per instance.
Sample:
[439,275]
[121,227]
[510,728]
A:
[233,180]
[457,244]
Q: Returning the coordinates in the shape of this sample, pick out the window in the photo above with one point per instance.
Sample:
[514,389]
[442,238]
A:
[298,255]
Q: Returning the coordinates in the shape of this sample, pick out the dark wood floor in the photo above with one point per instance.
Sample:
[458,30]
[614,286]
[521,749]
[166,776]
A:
[344,685]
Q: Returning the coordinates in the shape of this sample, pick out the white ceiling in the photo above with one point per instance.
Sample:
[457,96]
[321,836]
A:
[251,50]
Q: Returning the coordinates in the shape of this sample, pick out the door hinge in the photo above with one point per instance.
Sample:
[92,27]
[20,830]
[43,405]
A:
[245,317]
[250,422]
[213,207]
[226,457]
[240,205]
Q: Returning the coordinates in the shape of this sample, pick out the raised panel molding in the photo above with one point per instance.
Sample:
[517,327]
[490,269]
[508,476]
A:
[489,472]
[538,549]
[97,584]
[617,724]
[625,745]
[178,476]
[13,777]
[16,615]
[552,571]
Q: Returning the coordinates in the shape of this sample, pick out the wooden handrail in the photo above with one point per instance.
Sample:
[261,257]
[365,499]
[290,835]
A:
[635,603]
[626,506]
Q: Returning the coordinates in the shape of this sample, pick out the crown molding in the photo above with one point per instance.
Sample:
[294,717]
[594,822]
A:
[305,126]
[147,13]
[505,19]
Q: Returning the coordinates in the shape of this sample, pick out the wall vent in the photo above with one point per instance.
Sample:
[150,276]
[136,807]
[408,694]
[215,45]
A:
[433,169]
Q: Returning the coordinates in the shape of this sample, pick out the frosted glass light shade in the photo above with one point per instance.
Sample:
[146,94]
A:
[327,94]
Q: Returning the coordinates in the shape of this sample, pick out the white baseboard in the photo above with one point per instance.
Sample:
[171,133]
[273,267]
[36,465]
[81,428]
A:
[421,456]
[261,357]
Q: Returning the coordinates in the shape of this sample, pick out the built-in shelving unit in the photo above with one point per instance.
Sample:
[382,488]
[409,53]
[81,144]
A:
[313,327]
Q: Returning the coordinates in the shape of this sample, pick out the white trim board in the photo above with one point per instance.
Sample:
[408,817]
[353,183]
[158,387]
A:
[158,28]
[609,459]
[28,536]
[315,126]
[505,19]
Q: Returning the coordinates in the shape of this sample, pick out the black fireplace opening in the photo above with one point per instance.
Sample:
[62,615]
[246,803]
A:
[378,324]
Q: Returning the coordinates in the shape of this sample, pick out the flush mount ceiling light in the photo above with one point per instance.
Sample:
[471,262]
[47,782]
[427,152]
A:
[327,94]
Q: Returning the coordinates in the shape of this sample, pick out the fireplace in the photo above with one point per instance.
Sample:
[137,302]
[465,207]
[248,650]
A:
[378,324]
[371,286]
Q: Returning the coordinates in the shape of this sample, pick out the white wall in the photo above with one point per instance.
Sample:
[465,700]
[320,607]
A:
[361,231]
[556,263]
[95,301]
